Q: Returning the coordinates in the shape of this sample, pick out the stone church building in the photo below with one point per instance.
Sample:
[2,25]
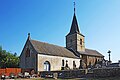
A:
[41,56]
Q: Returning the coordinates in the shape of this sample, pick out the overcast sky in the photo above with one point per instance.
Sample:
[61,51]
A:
[50,21]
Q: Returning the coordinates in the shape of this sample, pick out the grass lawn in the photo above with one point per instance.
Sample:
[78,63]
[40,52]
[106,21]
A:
[110,78]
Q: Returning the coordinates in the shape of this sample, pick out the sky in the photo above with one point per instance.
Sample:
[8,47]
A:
[50,21]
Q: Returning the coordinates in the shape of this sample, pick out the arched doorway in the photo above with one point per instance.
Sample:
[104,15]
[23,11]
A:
[47,66]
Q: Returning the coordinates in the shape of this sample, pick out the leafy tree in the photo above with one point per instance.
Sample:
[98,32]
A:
[8,60]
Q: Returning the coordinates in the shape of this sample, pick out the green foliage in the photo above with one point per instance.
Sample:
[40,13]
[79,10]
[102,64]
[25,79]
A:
[8,60]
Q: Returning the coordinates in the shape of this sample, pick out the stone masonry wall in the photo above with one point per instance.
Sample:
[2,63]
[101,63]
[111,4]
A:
[106,72]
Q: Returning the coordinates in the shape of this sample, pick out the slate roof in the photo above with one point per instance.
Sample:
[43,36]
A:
[74,26]
[50,49]
[91,53]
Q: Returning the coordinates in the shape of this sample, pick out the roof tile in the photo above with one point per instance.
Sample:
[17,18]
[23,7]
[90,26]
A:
[50,49]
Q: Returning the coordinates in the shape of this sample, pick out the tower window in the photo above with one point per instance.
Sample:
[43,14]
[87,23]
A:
[80,41]
[71,41]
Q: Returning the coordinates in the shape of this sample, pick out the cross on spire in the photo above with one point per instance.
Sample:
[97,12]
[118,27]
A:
[74,7]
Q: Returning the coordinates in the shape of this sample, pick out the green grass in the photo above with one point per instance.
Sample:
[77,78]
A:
[110,78]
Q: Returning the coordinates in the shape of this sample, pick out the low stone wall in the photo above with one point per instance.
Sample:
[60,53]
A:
[83,73]
[64,74]
[106,72]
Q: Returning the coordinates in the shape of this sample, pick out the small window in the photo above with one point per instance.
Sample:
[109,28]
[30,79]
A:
[63,63]
[74,65]
[73,62]
[27,52]
[66,64]
[80,41]
[71,41]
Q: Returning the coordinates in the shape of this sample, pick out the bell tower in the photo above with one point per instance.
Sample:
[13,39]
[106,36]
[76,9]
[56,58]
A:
[74,39]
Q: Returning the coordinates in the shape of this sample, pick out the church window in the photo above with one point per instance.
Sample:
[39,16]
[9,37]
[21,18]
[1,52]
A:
[66,64]
[63,63]
[80,41]
[27,52]
[47,66]
[71,41]
[74,65]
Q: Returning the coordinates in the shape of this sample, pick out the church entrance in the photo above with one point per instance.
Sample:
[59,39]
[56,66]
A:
[47,66]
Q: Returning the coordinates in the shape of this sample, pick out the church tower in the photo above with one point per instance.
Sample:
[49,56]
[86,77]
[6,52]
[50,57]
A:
[74,39]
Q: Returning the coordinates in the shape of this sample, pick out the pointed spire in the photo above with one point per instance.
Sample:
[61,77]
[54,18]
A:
[74,26]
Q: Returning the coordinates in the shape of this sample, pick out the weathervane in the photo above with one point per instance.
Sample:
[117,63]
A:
[74,6]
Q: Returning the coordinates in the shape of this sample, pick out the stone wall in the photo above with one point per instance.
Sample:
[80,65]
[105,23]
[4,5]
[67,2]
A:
[106,72]
[64,74]
[90,60]
[80,47]
[83,73]
[71,42]
[28,63]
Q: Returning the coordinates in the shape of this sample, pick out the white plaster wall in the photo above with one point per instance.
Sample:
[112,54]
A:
[55,62]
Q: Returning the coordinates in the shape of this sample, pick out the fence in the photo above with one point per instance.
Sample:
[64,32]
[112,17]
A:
[8,71]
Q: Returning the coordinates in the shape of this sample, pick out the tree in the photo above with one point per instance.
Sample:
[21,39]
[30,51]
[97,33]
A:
[8,59]
[15,54]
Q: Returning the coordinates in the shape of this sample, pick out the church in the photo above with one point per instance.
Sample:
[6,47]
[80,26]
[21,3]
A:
[42,56]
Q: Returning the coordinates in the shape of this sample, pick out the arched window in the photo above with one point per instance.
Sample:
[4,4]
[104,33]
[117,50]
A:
[80,41]
[47,66]
[27,52]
